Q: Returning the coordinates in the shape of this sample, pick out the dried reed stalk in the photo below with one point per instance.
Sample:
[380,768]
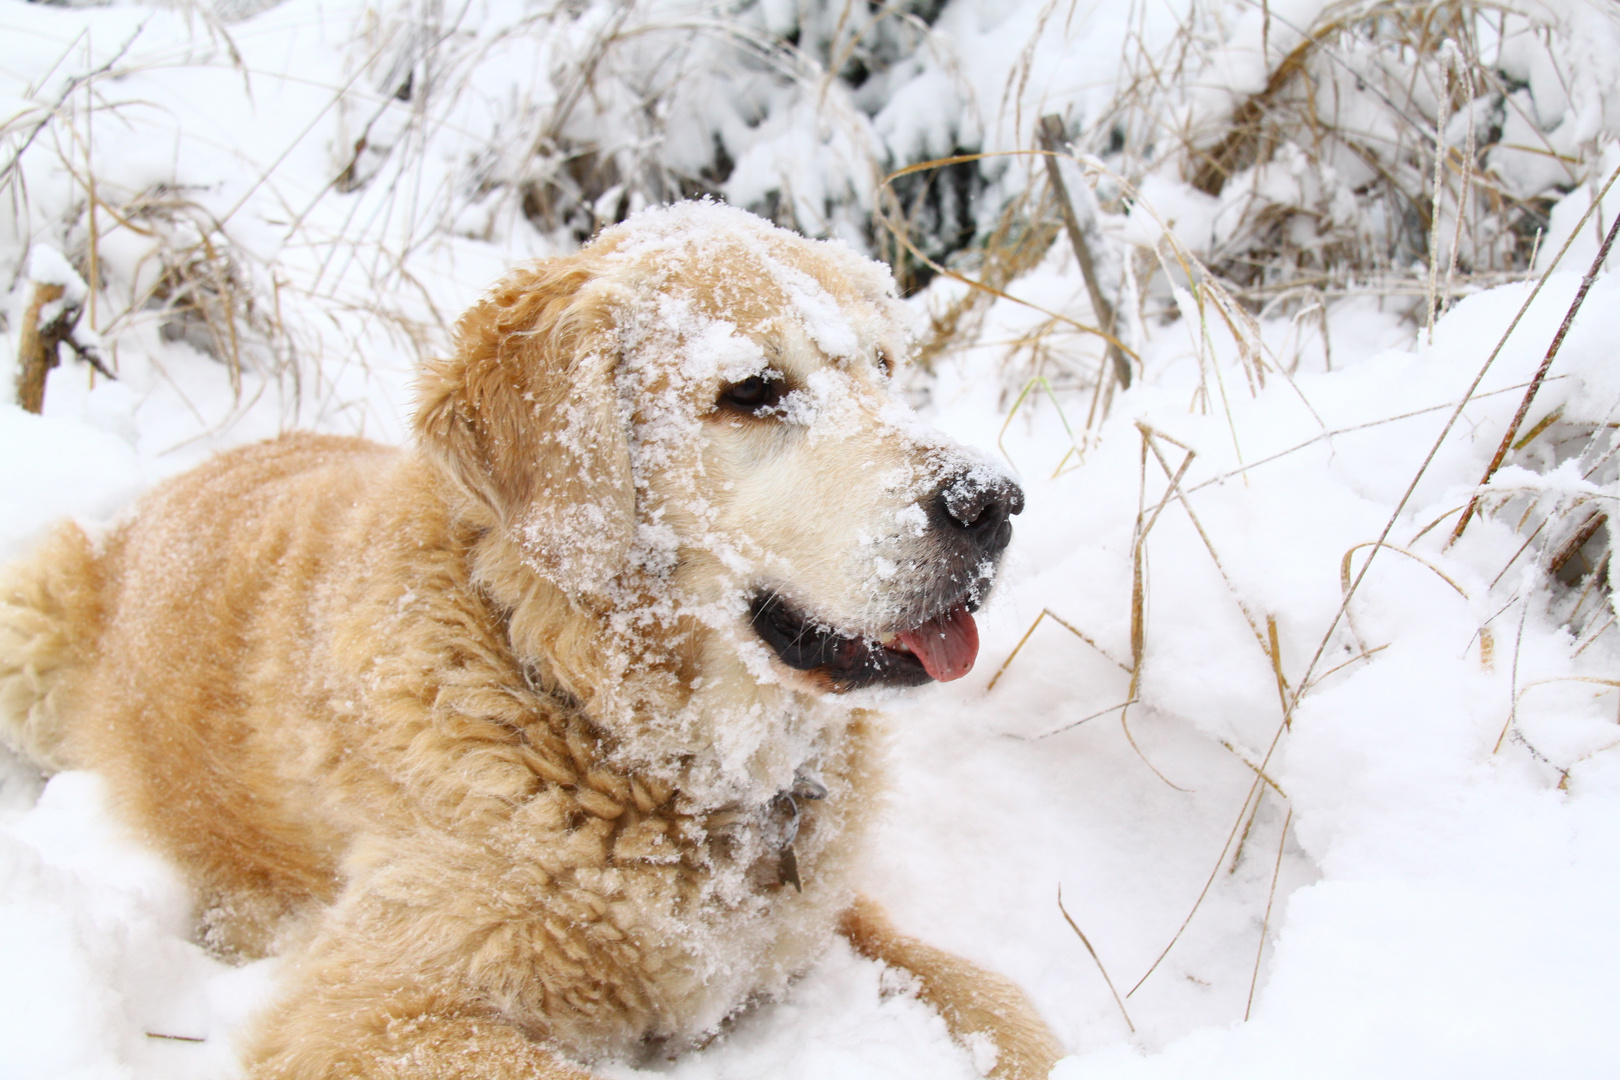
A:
[1568,549]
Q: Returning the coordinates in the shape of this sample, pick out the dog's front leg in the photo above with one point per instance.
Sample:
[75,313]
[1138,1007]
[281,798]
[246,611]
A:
[372,1027]
[387,992]
[975,1003]
[378,1028]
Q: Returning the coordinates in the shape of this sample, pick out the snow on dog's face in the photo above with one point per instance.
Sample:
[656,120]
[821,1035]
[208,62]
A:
[723,445]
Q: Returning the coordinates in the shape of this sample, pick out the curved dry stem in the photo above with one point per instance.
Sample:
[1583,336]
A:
[1095,959]
[1125,725]
[1254,791]
[1265,924]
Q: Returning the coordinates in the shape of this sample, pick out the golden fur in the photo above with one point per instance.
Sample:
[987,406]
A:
[478,734]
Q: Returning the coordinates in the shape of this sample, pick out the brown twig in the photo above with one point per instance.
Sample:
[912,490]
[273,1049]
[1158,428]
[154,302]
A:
[1566,551]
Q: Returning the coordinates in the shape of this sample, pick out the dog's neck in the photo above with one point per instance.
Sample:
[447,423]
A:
[672,697]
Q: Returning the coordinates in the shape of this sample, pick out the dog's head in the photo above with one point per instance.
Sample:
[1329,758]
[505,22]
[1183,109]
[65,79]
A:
[694,419]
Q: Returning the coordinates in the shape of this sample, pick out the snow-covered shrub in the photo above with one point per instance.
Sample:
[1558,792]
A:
[574,116]
[273,182]
[1310,138]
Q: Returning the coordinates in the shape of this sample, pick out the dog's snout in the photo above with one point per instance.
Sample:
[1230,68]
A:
[981,507]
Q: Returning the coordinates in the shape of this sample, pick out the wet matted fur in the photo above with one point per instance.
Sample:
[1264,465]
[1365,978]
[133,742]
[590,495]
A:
[547,740]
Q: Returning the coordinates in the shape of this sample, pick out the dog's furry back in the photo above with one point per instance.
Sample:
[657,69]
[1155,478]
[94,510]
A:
[219,564]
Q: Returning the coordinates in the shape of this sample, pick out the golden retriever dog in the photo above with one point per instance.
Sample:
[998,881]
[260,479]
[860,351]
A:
[548,741]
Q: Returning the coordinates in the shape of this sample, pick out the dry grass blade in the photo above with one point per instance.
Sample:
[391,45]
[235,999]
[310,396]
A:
[1328,436]
[1275,651]
[1150,434]
[1541,425]
[1521,550]
[1431,526]
[1346,562]
[1125,726]
[1596,680]
[1071,725]
[1592,635]
[1434,213]
[1563,784]
[1048,613]
[1252,767]
[1265,924]
[1346,663]
[1095,959]
[1001,435]
[1144,525]
[1513,683]
[1569,548]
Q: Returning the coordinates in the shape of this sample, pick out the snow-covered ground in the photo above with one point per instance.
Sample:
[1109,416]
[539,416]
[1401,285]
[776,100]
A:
[1378,842]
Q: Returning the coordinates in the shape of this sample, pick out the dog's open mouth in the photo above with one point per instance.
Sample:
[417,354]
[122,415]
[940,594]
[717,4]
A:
[943,647]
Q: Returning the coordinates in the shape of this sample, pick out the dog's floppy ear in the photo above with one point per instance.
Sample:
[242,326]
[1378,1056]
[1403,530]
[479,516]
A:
[524,417]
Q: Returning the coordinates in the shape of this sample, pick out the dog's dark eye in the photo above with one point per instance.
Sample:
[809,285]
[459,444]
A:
[885,362]
[752,394]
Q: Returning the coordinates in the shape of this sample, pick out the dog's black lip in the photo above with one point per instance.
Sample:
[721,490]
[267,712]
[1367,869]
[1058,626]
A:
[848,661]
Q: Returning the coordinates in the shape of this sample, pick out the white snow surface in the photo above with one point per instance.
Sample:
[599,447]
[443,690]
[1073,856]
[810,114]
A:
[1432,898]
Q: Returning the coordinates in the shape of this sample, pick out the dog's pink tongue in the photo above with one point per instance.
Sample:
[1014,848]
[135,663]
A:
[947,646]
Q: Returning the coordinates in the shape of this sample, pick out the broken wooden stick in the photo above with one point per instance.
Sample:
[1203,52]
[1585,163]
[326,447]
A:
[1052,143]
[49,321]
[36,346]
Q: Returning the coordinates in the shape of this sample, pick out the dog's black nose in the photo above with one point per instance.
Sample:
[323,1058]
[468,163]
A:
[981,506]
